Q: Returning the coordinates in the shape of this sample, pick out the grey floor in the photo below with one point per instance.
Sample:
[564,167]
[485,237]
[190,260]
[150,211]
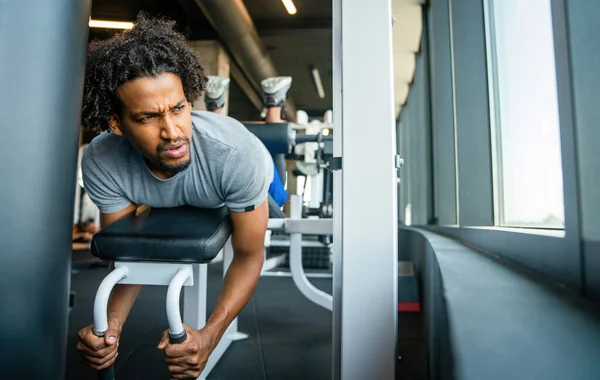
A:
[289,337]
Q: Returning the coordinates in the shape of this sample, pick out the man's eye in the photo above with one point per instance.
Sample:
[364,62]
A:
[145,118]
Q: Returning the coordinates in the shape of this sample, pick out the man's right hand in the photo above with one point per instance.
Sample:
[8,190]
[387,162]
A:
[100,352]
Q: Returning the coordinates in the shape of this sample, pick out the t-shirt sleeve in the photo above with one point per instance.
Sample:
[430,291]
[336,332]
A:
[247,176]
[101,188]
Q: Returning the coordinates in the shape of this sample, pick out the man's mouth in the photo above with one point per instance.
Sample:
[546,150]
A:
[175,151]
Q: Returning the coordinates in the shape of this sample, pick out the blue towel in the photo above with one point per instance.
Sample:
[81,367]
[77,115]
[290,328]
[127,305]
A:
[277,189]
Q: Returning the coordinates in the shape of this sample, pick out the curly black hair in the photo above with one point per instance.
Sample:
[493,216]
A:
[152,47]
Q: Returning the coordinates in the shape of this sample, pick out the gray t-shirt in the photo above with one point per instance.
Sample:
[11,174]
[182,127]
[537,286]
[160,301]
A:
[229,166]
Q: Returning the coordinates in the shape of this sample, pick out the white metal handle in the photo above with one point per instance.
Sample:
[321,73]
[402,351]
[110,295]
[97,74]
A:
[173,293]
[101,300]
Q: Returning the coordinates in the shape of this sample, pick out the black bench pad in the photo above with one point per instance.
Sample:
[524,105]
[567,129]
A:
[182,234]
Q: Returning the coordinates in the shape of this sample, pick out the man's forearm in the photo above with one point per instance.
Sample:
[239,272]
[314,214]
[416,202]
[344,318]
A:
[121,300]
[239,284]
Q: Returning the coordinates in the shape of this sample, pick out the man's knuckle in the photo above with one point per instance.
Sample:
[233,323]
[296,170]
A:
[106,359]
[99,354]
[100,360]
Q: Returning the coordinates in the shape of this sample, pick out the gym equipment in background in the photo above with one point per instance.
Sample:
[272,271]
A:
[296,226]
[311,150]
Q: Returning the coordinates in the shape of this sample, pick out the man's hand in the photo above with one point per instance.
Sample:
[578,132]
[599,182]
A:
[187,360]
[100,352]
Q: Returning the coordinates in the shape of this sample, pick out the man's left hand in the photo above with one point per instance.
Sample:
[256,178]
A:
[187,360]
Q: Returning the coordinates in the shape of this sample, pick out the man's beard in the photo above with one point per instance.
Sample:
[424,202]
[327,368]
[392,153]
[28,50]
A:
[173,168]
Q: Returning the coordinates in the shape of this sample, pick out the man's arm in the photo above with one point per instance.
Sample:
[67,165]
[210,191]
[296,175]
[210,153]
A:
[123,296]
[244,272]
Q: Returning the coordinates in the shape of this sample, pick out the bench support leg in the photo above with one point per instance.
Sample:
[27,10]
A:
[195,310]
[194,299]
[232,331]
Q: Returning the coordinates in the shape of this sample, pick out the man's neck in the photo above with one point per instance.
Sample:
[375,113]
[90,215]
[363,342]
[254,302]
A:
[161,174]
[154,169]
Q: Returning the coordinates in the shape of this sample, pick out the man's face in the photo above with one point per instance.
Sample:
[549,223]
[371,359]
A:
[156,119]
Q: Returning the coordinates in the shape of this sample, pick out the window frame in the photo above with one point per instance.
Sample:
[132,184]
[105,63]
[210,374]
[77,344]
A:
[552,254]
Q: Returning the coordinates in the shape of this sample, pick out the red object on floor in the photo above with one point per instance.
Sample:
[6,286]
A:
[410,307]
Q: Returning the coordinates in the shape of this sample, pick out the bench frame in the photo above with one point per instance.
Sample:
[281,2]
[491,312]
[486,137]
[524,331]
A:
[194,281]
[195,296]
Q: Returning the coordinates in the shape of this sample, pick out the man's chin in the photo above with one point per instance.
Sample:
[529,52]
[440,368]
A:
[174,167]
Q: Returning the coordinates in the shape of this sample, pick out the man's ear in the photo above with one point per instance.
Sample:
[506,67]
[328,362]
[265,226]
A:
[114,123]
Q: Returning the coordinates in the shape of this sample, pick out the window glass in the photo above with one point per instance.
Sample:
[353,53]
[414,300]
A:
[525,125]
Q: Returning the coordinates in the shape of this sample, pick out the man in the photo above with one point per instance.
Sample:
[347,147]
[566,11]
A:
[155,152]
[274,93]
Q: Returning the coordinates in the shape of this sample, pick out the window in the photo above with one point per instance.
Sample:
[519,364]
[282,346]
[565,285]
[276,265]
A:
[524,110]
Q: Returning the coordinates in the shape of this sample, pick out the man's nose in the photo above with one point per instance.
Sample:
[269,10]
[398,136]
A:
[169,130]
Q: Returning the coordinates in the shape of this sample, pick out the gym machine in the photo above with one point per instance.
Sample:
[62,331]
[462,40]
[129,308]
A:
[172,247]
[169,247]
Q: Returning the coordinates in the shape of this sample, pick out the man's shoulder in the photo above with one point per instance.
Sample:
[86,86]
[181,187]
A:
[229,140]
[220,128]
[107,142]
[105,148]
[205,117]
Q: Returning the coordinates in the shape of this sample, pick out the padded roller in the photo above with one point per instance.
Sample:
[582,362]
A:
[183,234]
[277,137]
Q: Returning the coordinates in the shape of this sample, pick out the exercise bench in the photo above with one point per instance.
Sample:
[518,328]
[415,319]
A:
[169,247]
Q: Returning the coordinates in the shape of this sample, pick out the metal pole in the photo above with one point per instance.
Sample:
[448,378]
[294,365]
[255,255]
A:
[337,194]
[42,59]
[365,263]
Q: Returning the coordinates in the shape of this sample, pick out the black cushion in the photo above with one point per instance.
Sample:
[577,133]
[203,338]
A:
[182,234]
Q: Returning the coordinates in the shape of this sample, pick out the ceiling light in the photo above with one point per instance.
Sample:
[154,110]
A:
[289,6]
[110,24]
[317,80]
[325,132]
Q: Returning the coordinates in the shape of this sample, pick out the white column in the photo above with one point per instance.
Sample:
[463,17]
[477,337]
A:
[365,270]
